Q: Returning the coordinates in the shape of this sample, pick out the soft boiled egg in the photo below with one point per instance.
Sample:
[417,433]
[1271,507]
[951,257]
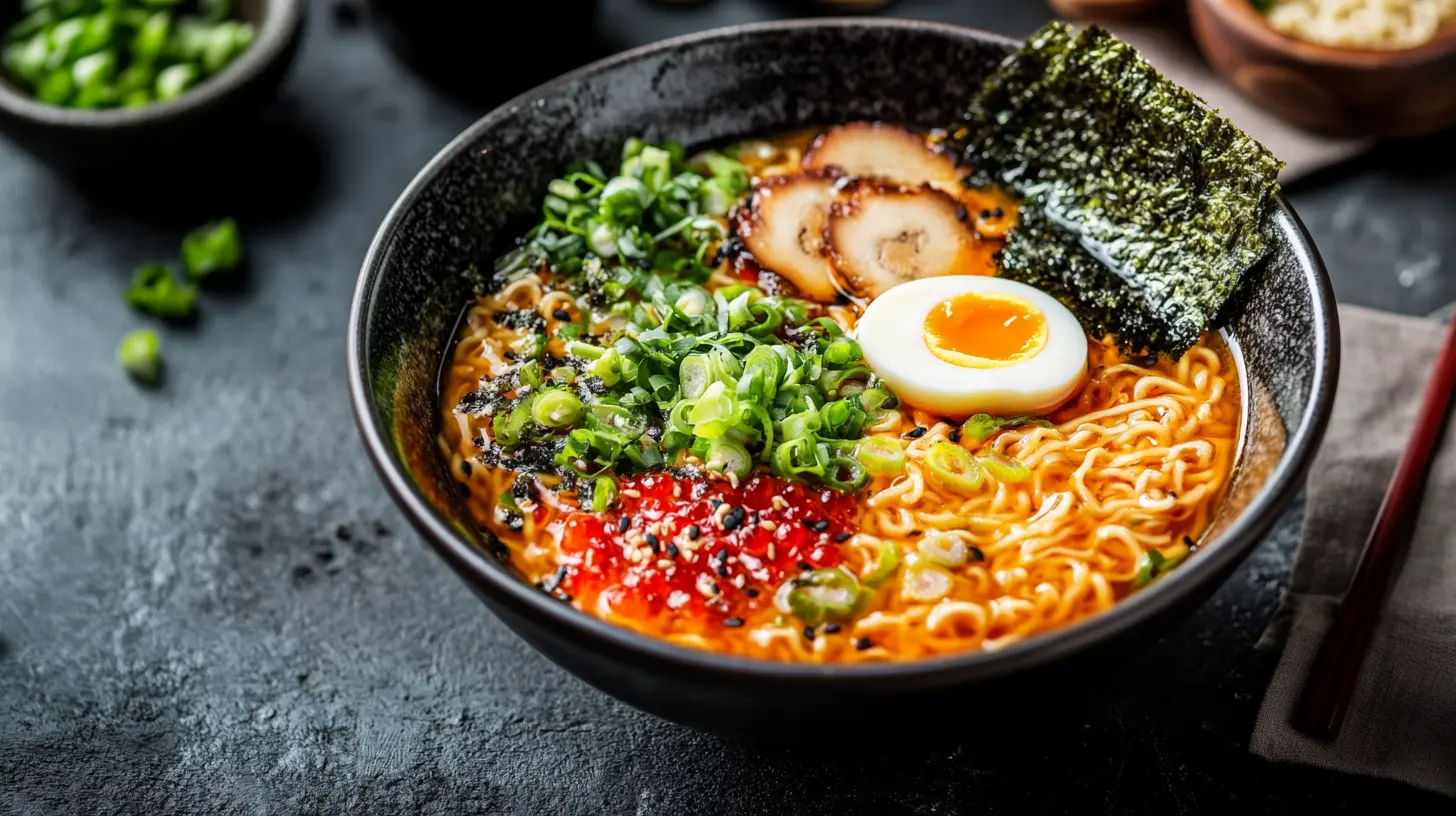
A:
[969,344]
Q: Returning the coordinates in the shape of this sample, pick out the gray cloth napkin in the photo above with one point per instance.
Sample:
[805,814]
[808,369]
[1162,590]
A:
[1401,723]
[1172,51]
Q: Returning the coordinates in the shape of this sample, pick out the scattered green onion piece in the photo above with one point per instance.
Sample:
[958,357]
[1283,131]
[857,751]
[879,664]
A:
[586,351]
[695,375]
[174,80]
[712,411]
[954,467]
[842,352]
[1148,564]
[796,459]
[1003,468]
[728,457]
[140,354]
[924,583]
[943,549]
[823,595]
[155,290]
[845,474]
[529,374]
[886,563]
[881,455]
[805,424]
[556,408]
[214,247]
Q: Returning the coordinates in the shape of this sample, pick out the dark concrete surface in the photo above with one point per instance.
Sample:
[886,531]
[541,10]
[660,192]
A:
[209,606]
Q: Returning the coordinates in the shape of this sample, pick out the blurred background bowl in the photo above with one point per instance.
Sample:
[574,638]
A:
[140,139]
[1335,91]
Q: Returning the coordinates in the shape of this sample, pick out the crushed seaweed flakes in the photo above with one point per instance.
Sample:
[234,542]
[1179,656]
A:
[1143,206]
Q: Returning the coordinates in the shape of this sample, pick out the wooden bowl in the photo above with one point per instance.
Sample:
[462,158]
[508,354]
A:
[1335,91]
[1103,9]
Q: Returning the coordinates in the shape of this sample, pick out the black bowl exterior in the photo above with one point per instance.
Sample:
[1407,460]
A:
[140,140]
[459,212]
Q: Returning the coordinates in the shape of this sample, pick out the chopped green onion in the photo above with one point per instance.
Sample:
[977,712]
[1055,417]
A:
[729,457]
[953,467]
[211,248]
[881,455]
[823,595]
[1003,468]
[140,354]
[886,563]
[1148,568]
[529,374]
[846,474]
[983,426]
[842,352]
[796,458]
[586,351]
[174,80]
[712,411]
[604,494]
[556,408]
[924,583]
[943,549]
[694,375]
[155,290]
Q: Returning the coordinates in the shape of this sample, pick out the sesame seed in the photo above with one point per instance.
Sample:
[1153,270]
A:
[694,531]
[997,213]
[739,581]
[465,466]
[915,434]
[721,556]
[653,542]
[985,213]
[555,580]
[672,550]
[819,526]
[808,633]
[977,555]
[733,519]
[752,593]
[804,565]
[954,435]
[770,551]
[561,314]
[843,537]
[779,503]
[768,525]
[862,644]
[716,503]
[663,563]
[962,213]
[831,628]
[722,510]
[632,493]
[722,571]
[623,523]
[733,623]
[733,479]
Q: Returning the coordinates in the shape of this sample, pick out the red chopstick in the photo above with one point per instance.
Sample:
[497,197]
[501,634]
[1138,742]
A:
[1321,707]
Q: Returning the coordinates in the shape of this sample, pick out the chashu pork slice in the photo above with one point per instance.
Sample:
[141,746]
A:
[783,228]
[882,236]
[890,152]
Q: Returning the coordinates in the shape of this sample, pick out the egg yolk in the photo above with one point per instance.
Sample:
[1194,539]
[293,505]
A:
[985,330]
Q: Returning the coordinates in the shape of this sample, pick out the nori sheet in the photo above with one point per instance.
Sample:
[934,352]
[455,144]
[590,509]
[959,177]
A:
[1143,207]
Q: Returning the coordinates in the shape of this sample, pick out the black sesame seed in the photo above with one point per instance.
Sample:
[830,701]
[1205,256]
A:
[561,314]
[753,517]
[653,542]
[478,441]
[962,214]
[954,435]
[716,503]
[510,355]
[556,578]
[891,402]
[672,550]
[997,213]
[1188,542]
[733,623]
[808,633]
[645,263]
[465,466]
[752,593]
[862,644]
[977,555]
[819,526]
[693,532]
[917,433]
[831,629]
[843,537]
[985,214]
[623,523]
[722,571]
[464,491]
[805,565]
[721,556]
[733,519]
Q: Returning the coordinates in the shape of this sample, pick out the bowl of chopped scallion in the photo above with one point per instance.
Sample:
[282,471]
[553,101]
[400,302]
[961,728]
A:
[119,83]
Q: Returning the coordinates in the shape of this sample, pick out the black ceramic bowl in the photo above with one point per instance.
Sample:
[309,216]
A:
[702,89]
[135,139]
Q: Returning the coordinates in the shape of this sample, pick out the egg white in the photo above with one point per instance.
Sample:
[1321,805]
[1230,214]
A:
[892,334]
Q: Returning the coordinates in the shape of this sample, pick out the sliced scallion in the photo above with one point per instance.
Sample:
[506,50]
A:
[954,467]
[824,595]
[140,353]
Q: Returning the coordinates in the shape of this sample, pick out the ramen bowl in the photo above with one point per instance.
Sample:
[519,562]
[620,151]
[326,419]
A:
[467,204]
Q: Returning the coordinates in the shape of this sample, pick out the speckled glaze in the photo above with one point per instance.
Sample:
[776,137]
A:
[461,209]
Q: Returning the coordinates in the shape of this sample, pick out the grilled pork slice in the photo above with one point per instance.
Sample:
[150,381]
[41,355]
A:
[882,235]
[890,152]
[783,227]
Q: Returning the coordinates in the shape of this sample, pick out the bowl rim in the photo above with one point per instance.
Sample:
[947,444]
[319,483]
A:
[282,20]
[1250,23]
[482,574]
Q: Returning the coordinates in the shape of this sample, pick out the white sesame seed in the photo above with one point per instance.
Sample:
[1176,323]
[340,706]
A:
[632,493]
[664,563]
[733,479]
[768,525]
[779,503]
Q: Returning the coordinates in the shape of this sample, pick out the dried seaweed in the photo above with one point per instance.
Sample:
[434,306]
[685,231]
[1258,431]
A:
[1143,206]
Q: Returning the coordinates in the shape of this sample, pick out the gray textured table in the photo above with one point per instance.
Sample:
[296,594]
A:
[208,605]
